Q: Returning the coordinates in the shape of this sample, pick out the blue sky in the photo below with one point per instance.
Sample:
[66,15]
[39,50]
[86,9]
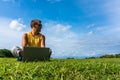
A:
[73,28]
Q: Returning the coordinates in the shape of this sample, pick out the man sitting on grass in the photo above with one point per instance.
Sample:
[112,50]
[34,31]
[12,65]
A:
[33,38]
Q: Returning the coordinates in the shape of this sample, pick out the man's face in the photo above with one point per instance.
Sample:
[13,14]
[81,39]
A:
[37,27]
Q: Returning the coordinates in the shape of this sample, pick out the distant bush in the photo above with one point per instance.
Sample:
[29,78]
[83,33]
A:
[70,58]
[117,55]
[5,53]
[105,56]
[110,56]
[91,57]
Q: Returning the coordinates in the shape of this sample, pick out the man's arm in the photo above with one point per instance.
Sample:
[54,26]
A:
[24,40]
[43,41]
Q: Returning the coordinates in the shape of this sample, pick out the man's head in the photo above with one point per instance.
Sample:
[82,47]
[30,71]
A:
[36,25]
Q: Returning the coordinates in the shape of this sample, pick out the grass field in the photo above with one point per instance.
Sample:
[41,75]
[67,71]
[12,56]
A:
[61,69]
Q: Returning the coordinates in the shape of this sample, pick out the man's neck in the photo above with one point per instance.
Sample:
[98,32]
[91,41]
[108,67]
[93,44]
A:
[34,33]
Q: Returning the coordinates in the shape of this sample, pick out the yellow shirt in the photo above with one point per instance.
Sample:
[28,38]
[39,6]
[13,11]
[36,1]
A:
[34,41]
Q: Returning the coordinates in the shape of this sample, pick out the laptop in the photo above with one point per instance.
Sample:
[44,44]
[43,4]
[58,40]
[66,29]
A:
[36,54]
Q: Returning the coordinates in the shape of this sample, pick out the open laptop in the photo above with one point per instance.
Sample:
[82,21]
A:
[36,54]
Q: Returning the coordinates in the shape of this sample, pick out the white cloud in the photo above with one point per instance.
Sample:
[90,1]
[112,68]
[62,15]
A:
[9,37]
[58,30]
[90,33]
[60,38]
[17,25]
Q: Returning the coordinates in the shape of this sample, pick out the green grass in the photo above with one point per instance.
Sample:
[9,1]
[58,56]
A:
[60,69]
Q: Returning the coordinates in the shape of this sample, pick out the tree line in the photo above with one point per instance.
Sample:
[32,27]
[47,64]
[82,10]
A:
[106,56]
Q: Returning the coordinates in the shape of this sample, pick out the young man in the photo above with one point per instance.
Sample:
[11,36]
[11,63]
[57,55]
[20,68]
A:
[32,38]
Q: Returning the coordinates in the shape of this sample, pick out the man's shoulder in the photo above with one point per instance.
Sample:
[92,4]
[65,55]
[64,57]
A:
[26,33]
[42,35]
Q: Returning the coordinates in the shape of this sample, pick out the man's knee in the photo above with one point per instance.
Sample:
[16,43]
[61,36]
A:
[15,51]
